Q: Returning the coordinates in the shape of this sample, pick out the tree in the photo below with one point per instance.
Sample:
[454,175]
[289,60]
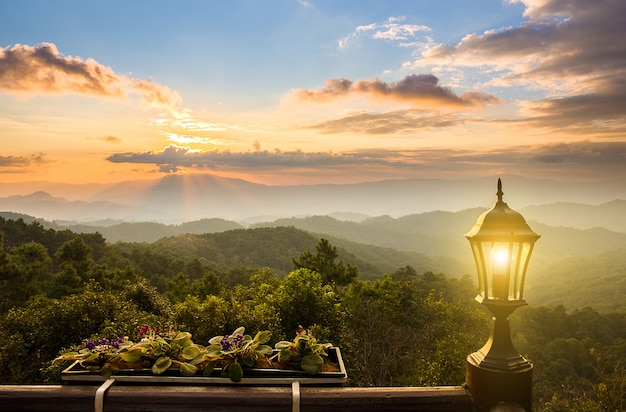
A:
[75,253]
[303,299]
[323,262]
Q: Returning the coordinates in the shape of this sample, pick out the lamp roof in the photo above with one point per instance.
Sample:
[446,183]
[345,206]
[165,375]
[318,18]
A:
[501,223]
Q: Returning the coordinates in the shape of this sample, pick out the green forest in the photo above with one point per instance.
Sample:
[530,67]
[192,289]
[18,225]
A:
[408,326]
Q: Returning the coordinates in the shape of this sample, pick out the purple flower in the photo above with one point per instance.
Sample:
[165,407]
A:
[91,345]
[232,342]
[226,343]
[103,341]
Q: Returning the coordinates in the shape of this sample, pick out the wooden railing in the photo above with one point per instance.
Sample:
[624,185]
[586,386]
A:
[69,398]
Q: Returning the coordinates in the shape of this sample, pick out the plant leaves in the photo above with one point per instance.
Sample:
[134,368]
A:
[187,369]
[235,372]
[132,355]
[208,368]
[263,337]
[191,352]
[283,344]
[108,370]
[216,340]
[161,365]
[265,350]
[214,351]
[248,360]
[284,355]
[312,364]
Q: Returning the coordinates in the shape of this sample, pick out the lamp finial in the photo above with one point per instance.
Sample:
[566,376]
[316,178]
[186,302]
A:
[500,193]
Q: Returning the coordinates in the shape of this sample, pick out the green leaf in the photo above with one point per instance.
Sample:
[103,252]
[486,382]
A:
[191,352]
[283,344]
[198,359]
[240,330]
[108,370]
[264,350]
[284,355]
[263,337]
[132,355]
[187,369]
[215,340]
[214,351]
[248,360]
[235,372]
[312,364]
[208,368]
[161,365]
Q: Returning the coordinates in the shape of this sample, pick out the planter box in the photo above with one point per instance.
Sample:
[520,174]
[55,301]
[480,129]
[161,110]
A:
[251,376]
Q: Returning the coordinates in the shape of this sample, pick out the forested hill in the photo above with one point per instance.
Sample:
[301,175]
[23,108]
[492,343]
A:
[59,289]
[431,241]
[275,247]
[597,281]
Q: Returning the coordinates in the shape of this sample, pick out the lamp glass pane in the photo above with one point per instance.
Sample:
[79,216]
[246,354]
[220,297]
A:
[500,266]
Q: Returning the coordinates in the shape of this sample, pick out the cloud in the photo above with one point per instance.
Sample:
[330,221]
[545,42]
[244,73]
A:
[404,121]
[43,69]
[21,164]
[564,159]
[417,89]
[108,139]
[582,114]
[192,139]
[391,30]
[572,50]
[173,157]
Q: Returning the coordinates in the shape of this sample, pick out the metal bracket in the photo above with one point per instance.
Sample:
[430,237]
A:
[295,396]
[102,390]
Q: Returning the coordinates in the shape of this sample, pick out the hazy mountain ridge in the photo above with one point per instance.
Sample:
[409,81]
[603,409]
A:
[597,280]
[177,199]
[610,215]
[431,241]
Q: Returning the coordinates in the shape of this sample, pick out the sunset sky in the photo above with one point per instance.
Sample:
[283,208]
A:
[312,91]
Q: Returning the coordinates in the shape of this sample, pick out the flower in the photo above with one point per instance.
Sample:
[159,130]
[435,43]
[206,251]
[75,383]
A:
[232,342]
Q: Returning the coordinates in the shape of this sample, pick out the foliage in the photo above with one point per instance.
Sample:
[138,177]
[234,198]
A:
[58,291]
[578,357]
[425,336]
[304,349]
[595,280]
[172,348]
[100,356]
[237,350]
[323,262]
[303,299]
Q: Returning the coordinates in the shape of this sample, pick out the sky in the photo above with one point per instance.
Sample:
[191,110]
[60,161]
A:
[312,91]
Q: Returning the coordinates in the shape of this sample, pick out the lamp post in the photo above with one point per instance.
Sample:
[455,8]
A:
[501,243]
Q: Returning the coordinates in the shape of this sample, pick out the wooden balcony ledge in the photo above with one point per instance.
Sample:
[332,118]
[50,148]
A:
[133,398]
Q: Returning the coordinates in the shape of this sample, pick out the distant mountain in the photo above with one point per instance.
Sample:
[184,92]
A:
[180,198]
[597,281]
[149,231]
[46,206]
[569,266]
[610,215]
[274,247]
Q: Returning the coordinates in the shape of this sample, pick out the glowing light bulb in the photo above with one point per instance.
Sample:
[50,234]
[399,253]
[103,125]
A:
[500,261]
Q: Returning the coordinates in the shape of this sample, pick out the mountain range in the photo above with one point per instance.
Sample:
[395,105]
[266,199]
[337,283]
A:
[176,199]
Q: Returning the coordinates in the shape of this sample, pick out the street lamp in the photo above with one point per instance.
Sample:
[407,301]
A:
[501,243]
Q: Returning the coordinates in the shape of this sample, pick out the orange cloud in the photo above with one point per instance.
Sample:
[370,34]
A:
[20,164]
[43,69]
[108,139]
[417,89]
